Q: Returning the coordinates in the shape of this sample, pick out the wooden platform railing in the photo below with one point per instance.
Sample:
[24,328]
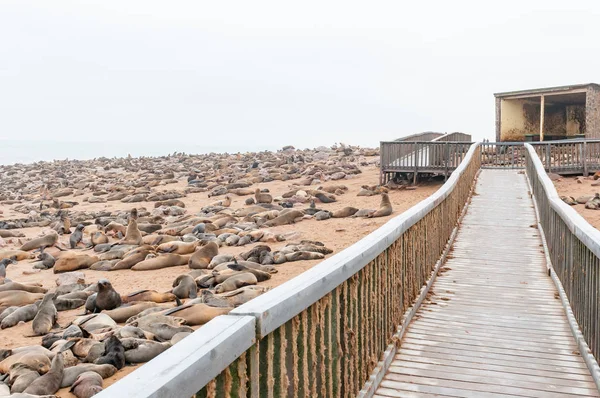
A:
[322,333]
[574,251]
[566,156]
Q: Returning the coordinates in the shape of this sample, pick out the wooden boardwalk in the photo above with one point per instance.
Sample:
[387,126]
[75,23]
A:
[493,325]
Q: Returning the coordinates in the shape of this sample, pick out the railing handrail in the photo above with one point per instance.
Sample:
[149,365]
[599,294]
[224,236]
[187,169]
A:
[426,142]
[277,306]
[586,233]
[419,135]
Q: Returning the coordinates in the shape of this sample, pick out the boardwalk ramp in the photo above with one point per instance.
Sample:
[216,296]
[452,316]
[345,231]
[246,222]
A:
[493,324]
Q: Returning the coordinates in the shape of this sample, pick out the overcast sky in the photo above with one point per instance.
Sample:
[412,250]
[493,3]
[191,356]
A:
[277,73]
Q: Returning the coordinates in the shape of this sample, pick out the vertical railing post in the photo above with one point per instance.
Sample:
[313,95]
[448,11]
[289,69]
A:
[447,158]
[548,163]
[416,163]
[583,159]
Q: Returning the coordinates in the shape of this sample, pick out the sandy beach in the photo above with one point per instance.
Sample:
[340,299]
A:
[334,233]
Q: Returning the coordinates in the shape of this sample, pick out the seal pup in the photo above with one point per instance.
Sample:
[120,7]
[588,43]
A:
[385,208]
[203,256]
[87,385]
[107,298]
[262,197]
[4,264]
[184,286]
[46,317]
[45,261]
[50,382]
[76,236]
[133,236]
[114,353]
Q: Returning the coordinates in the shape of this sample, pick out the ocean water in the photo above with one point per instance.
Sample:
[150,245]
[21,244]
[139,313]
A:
[17,151]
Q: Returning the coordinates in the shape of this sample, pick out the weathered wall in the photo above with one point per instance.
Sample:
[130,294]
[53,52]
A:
[592,113]
[518,118]
[575,119]
[498,118]
[555,120]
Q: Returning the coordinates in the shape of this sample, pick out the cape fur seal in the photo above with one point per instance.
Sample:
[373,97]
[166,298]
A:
[262,197]
[133,235]
[236,281]
[87,385]
[344,212]
[71,373]
[22,314]
[114,353]
[184,286]
[44,241]
[18,298]
[140,351]
[36,360]
[385,208]
[203,256]
[149,295]
[76,236]
[4,264]
[197,314]
[133,257]
[70,261]
[121,314]
[162,261]
[21,376]
[107,298]
[15,255]
[46,317]
[284,219]
[19,286]
[177,247]
[50,382]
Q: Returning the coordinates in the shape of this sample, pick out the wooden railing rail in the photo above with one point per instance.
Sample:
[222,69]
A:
[322,333]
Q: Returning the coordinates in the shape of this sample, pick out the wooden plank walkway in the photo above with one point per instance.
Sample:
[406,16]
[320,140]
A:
[493,325]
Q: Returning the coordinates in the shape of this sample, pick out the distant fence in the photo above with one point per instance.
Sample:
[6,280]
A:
[573,246]
[562,157]
[440,155]
[322,333]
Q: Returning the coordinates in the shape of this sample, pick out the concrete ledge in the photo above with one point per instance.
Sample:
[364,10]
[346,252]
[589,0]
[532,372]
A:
[189,365]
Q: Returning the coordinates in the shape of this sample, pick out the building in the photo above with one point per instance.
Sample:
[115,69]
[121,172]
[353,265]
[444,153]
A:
[545,114]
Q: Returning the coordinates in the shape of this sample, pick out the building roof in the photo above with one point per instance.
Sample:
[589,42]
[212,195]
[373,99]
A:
[547,90]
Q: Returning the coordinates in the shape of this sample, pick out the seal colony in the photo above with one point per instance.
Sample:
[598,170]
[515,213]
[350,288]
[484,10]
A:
[106,263]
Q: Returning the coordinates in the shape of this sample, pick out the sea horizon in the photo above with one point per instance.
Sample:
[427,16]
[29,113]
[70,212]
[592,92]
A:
[20,151]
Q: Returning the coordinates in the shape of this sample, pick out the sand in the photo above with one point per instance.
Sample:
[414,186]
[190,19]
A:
[336,234]
[568,186]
